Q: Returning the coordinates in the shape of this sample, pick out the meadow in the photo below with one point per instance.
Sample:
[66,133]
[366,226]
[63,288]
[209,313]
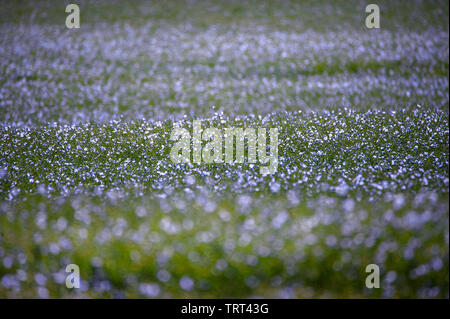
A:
[363,159]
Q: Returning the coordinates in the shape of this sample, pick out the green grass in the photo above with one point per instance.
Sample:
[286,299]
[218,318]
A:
[136,252]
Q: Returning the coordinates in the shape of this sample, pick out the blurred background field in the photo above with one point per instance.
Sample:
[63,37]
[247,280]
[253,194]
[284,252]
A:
[85,174]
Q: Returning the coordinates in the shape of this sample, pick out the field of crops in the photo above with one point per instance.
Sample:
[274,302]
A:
[86,176]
